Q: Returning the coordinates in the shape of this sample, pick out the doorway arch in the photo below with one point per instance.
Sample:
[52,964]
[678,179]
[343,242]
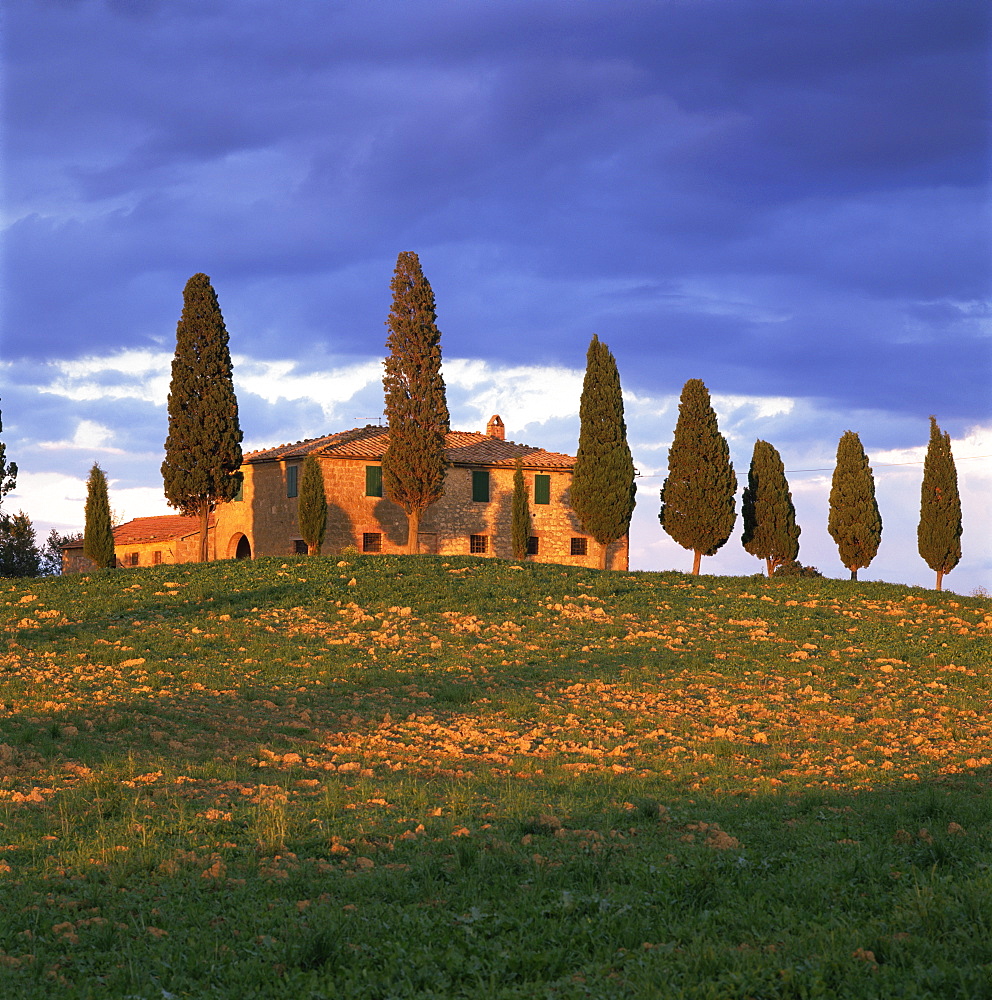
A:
[243,549]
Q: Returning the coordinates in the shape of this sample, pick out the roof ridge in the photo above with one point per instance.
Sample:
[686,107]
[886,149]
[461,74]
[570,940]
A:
[339,437]
[474,447]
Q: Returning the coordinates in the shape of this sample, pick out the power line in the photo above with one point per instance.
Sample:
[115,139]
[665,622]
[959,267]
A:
[798,472]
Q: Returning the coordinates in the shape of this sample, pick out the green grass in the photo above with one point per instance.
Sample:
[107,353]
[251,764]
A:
[457,778]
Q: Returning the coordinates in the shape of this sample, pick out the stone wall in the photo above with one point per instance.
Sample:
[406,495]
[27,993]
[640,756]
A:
[73,560]
[129,555]
[458,517]
[264,515]
[267,517]
[162,551]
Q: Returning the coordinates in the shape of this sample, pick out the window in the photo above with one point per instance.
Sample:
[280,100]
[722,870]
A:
[372,541]
[156,558]
[240,495]
[292,488]
[533,545]
[478,544]
[373,480]
[542,489]
[300,547]
[580,546]
[480,486]
[131,559]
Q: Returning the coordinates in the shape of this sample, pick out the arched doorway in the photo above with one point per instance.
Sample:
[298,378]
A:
[243,550]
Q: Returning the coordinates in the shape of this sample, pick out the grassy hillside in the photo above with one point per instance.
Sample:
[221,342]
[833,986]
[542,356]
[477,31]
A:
[395,776]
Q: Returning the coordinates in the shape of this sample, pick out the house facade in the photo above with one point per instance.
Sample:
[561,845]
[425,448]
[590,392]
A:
[474,517]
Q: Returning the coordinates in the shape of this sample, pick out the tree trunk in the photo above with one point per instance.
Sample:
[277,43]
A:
[204,542]
[604,556]
[854,573]
[940,579]
[770,563]
[696,556]
[413,532]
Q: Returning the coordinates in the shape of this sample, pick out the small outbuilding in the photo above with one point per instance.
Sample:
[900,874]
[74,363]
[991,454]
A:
[145,541]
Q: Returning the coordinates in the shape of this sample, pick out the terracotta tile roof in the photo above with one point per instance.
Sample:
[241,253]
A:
[461,448]
[538,458]
[477,449]
[328,444]
[153,529]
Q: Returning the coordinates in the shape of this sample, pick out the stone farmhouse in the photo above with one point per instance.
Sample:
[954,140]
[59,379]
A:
[472,518]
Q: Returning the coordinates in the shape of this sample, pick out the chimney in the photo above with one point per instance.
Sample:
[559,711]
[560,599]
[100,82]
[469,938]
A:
[495,429]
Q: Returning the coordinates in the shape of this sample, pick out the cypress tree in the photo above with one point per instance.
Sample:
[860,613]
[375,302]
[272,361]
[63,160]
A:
[854,522]
[520,513]
[770,529]
[413,466]
[939,532]
[697,499]
[603,489]
[8,472]
[98,533]
[203,449]
[312,510]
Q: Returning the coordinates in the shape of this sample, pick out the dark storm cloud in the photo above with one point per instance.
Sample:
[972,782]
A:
[784,198]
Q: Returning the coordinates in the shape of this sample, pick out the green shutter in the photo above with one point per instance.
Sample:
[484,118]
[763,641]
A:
[480,486]
[542,489]
[373,480]
[240,495]
[292,489]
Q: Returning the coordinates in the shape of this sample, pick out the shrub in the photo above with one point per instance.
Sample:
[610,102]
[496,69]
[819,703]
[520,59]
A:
[796,568]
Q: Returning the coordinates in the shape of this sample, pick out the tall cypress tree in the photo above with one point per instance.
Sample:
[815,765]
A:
[8,472]
[312,507]
[519,513]
[939,532]
[98,533]
[603,490]
[770,529]
[697,499]
[413,466]
[854,522]
[203,449]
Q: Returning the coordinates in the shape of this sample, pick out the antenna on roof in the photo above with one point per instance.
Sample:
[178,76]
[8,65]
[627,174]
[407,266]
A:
[369,420]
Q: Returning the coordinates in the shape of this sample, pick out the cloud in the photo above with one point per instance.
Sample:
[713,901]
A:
[275,381]
[89,437]
[785,202]
[56,500]
[525,396]
[127,374]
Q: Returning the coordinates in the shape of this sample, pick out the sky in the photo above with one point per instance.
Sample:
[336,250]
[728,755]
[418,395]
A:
[788,200]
